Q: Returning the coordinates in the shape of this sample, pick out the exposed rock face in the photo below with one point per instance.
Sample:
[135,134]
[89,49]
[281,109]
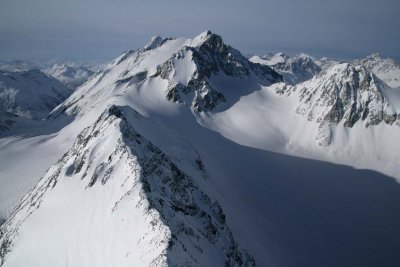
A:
[211,56]
[186,227]
[205,97]
[344,94]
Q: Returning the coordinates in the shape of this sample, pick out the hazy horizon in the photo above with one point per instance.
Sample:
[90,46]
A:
[43,29]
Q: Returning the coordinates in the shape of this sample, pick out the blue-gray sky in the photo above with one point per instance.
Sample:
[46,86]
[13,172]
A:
[102,29]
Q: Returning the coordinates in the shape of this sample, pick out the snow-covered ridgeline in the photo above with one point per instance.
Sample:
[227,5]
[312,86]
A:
[110,180]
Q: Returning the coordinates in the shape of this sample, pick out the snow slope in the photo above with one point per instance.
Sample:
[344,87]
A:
[85,115]
[344,115]
[134,184]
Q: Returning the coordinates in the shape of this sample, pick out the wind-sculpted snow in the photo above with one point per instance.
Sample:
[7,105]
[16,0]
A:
[115,198]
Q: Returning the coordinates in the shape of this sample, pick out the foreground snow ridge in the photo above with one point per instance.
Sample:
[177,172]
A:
[123,202]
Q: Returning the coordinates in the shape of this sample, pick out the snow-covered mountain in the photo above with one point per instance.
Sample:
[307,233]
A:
[270,59]
[386,69]
[294,70]
[135,184]
[203,73]
[345,114]
[168,157]
[179,73]
[31,93]
[345,95]
[70,76]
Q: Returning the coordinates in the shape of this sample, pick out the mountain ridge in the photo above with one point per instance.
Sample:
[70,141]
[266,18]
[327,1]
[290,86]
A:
[170,202]
[184,152]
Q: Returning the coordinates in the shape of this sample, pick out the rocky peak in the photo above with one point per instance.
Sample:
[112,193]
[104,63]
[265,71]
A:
[344,94]
[211,56]
[192,70]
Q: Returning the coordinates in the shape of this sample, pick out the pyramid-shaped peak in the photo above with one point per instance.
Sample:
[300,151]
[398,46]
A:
[205,37]
[154,42]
